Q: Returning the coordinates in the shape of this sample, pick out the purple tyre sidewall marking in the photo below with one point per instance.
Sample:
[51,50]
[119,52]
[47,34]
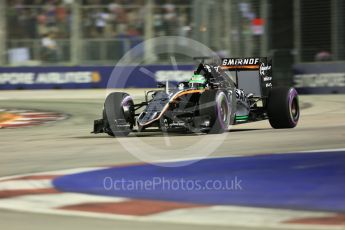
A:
[126,100]
[292,95]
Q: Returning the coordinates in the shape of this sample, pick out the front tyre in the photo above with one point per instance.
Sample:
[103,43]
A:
[214,106]
[118,114]
[283,107]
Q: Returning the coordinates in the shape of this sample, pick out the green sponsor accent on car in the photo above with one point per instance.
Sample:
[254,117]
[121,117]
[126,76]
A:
[242,118]
[197,81]
[197,78]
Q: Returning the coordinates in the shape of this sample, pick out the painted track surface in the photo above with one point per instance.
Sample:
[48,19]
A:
[282,181]
[68,144]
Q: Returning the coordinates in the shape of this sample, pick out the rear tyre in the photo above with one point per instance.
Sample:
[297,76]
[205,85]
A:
[283,107]
[118,114]
[214,105]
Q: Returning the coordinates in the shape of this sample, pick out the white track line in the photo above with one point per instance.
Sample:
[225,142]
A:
[322,150]
[55,172]
[49,201]
[24,184]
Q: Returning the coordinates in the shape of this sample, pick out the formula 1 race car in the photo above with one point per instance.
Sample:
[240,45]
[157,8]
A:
[239,90]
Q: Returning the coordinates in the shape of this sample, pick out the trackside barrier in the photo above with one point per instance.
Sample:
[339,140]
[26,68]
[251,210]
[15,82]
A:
[320,78]
[85,77]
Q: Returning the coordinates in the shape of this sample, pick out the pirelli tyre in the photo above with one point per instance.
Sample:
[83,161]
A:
[118,114]
[216,110]
[283,107]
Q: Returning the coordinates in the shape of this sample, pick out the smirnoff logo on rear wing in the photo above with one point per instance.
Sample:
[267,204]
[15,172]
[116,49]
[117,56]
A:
[240,61]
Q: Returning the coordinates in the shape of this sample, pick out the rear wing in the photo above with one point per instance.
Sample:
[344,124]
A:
[261,65]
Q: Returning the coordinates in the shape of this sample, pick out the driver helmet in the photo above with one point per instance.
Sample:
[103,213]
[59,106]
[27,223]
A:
[197,82]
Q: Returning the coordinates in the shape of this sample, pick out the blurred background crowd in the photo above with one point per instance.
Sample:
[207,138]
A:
[103,25]
[30,19]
